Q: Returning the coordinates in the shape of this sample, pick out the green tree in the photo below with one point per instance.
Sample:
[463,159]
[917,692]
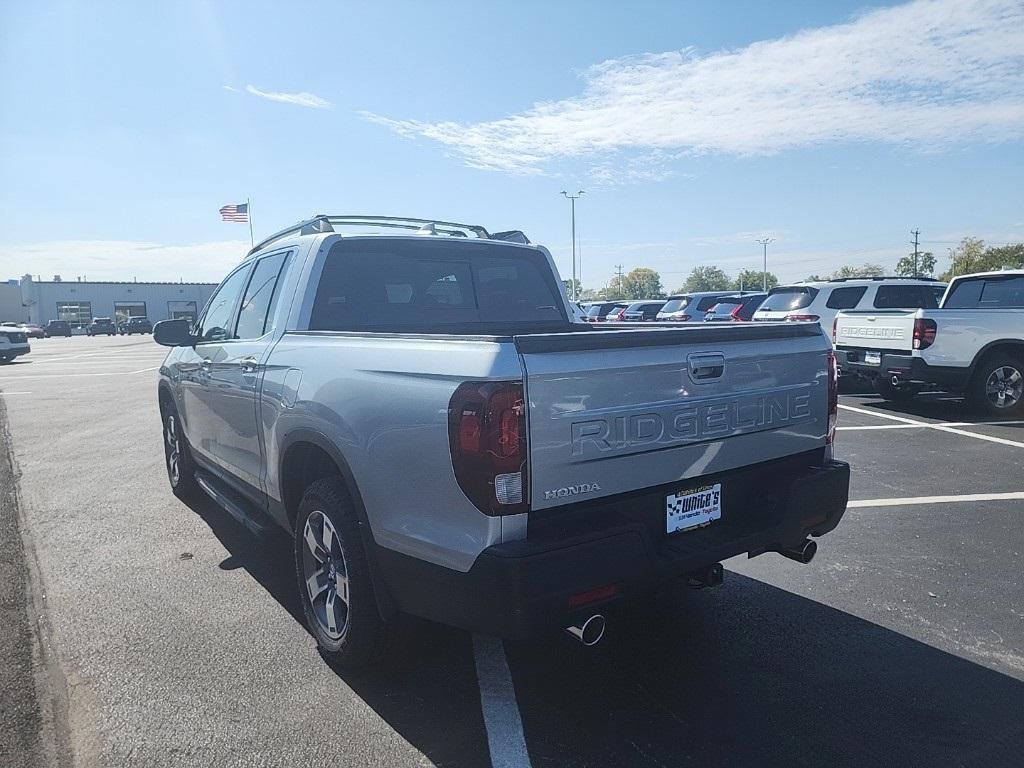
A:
[706,278]
[925,265]
[865,270]
[1004,256]
[752,280]
[614,290]
[568,286]
[814,278]
[642,283]
[967,257]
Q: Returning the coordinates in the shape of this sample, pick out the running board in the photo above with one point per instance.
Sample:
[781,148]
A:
[232,503]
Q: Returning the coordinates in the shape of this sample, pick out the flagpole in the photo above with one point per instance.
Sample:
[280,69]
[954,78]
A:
[248,209]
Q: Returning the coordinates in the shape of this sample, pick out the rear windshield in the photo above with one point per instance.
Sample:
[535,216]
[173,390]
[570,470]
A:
[724,307]
[708,302]
[599,310]
[785,299]
[434,286]
[676,304]
[991,293]
[905,297]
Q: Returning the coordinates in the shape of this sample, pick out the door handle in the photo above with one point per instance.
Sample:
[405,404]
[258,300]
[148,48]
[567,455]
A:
[706,367]
[249,364]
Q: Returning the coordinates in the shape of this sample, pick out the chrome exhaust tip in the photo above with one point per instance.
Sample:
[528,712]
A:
[802,554]
[895,381]
[590,631]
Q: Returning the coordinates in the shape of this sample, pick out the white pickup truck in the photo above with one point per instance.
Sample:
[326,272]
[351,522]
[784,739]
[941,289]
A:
[973,344]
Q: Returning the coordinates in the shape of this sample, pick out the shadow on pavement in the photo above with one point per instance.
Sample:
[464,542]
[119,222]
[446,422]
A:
[745,674]
[749,674]
[428,693]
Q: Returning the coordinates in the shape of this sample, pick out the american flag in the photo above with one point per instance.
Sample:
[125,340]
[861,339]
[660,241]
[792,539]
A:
[238,212]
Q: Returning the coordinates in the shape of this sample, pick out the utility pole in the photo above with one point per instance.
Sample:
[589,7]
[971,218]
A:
[764,275]
[572,204]
[618,274]
[916,233]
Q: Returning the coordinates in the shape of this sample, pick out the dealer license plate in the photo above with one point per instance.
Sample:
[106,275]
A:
[693,508]
[872,358]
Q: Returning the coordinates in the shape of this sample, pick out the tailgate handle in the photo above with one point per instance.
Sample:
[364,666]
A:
[706,367]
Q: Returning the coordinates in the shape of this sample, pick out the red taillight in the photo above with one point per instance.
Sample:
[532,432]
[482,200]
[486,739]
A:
[803,318]
[682,318]
[735,314]
[834,323]
[924,333]
[621,315]
[487,435]
[833,397]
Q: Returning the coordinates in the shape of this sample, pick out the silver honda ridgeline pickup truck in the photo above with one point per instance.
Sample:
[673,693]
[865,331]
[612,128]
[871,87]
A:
[413,402]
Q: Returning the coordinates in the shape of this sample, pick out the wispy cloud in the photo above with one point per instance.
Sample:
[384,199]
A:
[931,74]
[736,238]
[122,260]
[310,100]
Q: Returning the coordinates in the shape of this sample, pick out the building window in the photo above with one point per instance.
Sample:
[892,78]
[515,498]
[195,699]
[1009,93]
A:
[77,314]
[125,309]
[182,309]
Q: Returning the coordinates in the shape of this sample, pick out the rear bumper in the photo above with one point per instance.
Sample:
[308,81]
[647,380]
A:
[904,367]
[523,588]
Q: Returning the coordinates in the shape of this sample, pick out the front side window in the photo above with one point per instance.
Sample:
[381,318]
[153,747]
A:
[260,297]
[216,322]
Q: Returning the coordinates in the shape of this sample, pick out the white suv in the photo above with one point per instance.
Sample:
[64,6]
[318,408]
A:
[822,301]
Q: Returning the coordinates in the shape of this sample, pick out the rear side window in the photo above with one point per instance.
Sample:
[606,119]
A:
[846,298]
[786,299]
[905,297]
[992,293]
[707,303]
[260,297]
[432,286]
[674,305]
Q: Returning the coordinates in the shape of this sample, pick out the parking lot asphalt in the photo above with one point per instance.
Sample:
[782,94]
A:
[172,636]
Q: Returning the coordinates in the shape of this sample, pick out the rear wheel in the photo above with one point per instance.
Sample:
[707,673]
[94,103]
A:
[334,580]
[899,393]
[997,388]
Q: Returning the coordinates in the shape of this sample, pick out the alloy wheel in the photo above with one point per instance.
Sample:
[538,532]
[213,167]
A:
[173,448]
[1004,387]
[326,575]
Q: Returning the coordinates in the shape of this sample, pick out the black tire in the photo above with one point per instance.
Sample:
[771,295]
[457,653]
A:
[180,471]
[898,394]
[360,638]
[997,387]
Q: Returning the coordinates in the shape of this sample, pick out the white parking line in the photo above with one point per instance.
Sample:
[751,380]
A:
[941,424]
[8,394]
[69,375]
[1014,496]
[937,427]
[498,703]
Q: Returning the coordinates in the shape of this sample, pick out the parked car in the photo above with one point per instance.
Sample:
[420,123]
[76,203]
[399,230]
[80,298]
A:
[13,343]
[598,312]
[33,331]
[57,328]
[422,415]
[973,344]
[687,307]
[642,311]
[101,325]
[136,325]
[735,308]
[822,301]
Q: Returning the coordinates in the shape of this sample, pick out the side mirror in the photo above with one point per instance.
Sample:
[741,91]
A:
[174,333]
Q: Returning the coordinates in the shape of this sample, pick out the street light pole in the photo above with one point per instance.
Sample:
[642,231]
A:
[572,206]
[764,275]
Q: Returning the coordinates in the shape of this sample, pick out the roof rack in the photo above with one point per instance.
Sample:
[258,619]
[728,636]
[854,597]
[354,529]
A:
[323,223]
[887,277]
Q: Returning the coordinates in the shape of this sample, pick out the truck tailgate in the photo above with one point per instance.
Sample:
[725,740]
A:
[617,411]
[892,330]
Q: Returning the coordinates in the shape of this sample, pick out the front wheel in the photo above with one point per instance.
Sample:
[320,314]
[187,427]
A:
[898,393]
[334,580]
[997,387]
[177,457]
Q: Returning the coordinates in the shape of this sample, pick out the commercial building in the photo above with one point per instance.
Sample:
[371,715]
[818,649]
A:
[79,302]
[12,307]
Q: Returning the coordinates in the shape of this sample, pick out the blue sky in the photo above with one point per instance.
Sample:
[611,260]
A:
[694,128]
